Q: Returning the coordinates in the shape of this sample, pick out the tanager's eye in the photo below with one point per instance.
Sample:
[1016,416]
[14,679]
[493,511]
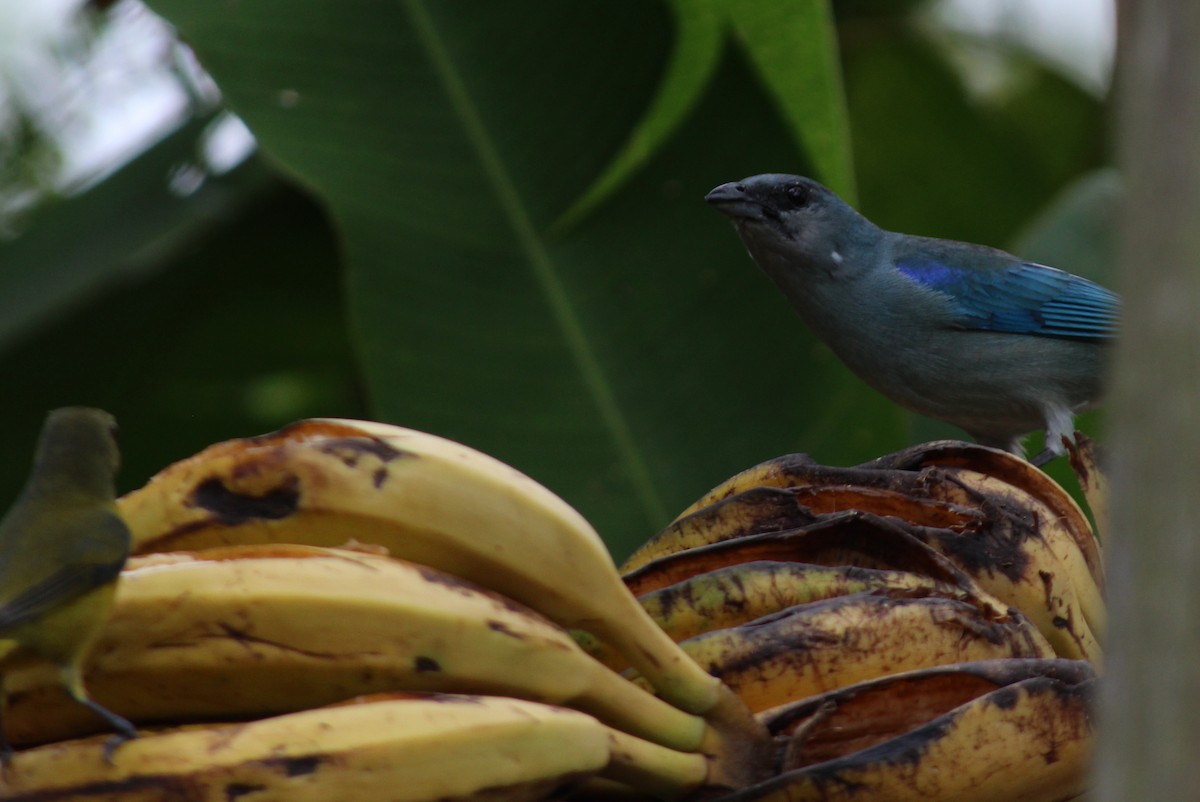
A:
[797,194]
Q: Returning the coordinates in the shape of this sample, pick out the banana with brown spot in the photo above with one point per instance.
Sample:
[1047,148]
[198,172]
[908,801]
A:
[439,503]
[257,630]
[815,647]
[736,594]
[389,749]
[1031,740]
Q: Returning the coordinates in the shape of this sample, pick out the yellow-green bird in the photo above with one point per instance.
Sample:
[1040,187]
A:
[62,547]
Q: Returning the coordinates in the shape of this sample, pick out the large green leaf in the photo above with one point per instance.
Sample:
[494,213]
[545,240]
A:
[1077,230]
[793,48]
[77,249]
[630,362]
[244,333]
[944,160]
[696,51]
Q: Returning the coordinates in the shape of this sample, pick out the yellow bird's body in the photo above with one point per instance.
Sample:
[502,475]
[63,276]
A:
[62,547]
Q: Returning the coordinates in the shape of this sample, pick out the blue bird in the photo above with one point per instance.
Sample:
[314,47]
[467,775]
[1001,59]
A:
[963,333]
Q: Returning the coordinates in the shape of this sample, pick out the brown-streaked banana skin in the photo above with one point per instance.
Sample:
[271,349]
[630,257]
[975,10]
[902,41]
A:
[1026,549]
[740,593]
[256,630]
[843,539]
[1061,531]
[753,511]
[774,509]
[913,469]
[1007,469]
[786,470]
[1020,552]
[1086,462]
[905,471]
[438,503]
[1012,560]
[418,749]
[736,594]
[1004,560]
[812,648]
[1031,740]
[856,717]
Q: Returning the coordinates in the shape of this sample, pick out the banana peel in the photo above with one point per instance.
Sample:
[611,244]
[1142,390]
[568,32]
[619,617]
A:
[1030,740]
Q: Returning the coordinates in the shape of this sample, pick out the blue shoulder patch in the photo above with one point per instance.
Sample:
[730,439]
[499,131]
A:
[1023,298]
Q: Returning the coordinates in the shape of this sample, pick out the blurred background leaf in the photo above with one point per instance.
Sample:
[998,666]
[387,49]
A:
[486,220]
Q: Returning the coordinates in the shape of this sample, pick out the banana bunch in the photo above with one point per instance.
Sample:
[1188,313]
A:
[388,746]
[922,627]
[350,610]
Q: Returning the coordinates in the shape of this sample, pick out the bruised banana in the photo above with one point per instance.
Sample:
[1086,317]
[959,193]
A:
[906,471]
[387,748]
[432,501]
[741,593]
[812,648]
[1013,561]
[736,594]
[250,631]
[786,470]
[772,509]
[1019,551]
[1009,541]
[963,473]
[757,510]
[849,719]
[1013,471]
[1048,526]
[1085,462]
[1030,740]
[845,539]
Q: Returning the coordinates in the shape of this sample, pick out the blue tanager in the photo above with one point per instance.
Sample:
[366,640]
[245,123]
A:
[963,333]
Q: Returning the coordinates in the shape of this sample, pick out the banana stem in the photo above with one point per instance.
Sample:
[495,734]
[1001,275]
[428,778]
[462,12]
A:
[677,678]
[652,769]
[626,706]
[738,744]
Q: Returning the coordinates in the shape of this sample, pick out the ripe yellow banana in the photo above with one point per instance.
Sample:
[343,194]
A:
[645,768]
[1030,740]
[251,631]
[773,509]
[736,594]
[432,501]
[812,648]
[417,749]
